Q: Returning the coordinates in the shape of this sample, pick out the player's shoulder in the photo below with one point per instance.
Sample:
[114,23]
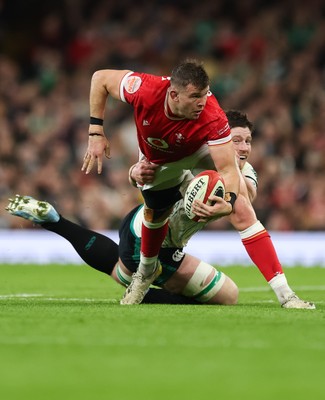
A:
[214,110]
[214,119]
[248,168]
[144,85]
[249,172]
[151,79]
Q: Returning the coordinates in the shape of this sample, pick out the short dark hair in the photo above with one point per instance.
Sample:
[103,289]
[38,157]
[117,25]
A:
[238,119]
[190,71]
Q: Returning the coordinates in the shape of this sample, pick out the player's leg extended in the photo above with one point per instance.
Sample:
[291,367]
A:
[97,250]
[158,206]
[260,248]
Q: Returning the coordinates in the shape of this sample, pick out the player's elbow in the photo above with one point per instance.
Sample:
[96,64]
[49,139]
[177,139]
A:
[97,75]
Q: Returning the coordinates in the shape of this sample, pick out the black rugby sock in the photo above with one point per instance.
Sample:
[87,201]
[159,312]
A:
[162,296]
[97,250]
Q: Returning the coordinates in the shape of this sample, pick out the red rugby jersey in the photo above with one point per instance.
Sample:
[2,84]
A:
[162,138]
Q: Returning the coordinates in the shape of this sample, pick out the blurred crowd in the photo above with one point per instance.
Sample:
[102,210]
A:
[266,59]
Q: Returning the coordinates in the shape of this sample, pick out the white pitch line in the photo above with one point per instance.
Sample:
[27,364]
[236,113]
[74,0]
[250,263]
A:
[51,298]
[20,295]
[108,301]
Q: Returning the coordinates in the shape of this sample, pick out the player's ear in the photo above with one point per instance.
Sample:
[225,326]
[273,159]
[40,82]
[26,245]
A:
[173,94]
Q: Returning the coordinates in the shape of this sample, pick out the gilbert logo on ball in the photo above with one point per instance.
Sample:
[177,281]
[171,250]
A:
[202,186]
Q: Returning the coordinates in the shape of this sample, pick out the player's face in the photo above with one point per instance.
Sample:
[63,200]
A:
[190,101]
[242,140]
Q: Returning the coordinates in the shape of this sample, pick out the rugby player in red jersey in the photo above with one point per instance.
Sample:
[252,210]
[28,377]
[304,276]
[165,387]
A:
[179,126]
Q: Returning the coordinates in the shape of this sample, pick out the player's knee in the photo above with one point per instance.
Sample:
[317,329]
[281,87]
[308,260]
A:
[156,216]
[230,292]
[207,285]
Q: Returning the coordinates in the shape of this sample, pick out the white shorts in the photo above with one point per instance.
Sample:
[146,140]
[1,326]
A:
[172,174]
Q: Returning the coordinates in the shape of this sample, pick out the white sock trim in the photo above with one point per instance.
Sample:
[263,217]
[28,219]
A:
[281,288]
[154,225]
[147,260]
[278,280]
[147,265]
[252,230]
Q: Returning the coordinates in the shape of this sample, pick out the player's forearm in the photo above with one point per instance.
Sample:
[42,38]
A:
[104,83]
[98,95]
[232,179]
[224,158]
[251,190]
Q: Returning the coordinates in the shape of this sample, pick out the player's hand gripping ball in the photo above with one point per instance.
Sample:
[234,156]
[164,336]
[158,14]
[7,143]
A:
[202,186]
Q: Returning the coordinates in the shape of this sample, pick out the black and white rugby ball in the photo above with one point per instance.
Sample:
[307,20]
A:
[203,185]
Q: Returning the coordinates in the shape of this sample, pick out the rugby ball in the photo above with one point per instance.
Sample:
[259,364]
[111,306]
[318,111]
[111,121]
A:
[203,185]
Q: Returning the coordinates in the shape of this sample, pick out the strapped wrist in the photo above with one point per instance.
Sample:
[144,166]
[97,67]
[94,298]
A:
[231,197]
[96,121]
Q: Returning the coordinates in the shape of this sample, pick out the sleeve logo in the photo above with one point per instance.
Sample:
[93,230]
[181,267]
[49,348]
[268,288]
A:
[132,84]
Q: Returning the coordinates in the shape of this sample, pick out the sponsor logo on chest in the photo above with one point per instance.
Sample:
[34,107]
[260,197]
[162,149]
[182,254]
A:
[169,143]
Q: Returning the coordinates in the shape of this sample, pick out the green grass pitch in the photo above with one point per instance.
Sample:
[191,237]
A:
[64,336]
